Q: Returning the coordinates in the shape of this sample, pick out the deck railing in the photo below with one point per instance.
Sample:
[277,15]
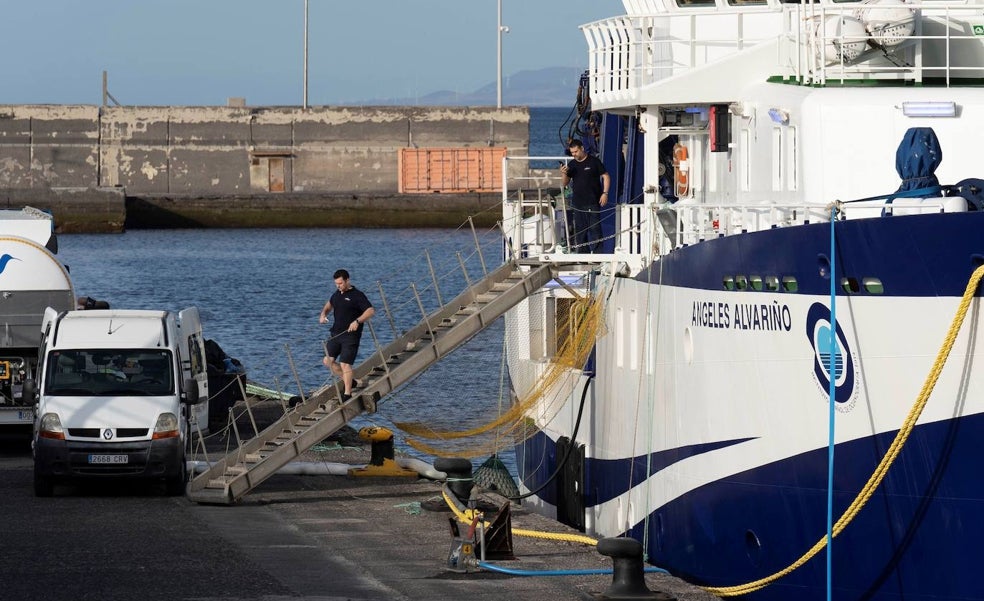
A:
[536,222]
[817,44]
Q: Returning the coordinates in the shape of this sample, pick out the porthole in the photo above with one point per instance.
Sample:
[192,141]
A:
[873,286]
[823,266]
[789,284]
[741,282]
[850,285]
[772,283]
[755,281]
[728,282]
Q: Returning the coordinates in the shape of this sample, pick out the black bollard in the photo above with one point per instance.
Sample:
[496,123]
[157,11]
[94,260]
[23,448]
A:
[459,473]
[628,577]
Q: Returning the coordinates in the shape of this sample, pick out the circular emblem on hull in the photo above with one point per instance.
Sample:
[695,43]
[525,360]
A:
[844,374]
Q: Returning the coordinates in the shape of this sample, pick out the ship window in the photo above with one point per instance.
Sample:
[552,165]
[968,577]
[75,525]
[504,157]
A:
[746,2]
[777,158]
[695,3]
[729,282]
[789,284]
[850,285]
[756,281]
[791,158]
[771,283]
[562,322]
[741,282]
[873,285]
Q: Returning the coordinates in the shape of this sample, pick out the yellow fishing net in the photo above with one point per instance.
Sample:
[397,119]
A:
[556,352]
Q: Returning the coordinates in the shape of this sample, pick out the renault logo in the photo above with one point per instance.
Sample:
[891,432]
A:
[107,433]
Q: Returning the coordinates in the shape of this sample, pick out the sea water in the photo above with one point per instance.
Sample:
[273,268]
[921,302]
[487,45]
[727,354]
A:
[260,292]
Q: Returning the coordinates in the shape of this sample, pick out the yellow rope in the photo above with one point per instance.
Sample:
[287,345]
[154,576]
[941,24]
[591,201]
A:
[585,324]
[466,517]
[882,469]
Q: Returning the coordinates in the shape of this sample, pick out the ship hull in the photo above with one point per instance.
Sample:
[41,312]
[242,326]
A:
[704,430]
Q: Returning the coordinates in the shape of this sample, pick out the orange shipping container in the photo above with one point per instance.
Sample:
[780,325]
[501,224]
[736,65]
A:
[450,169]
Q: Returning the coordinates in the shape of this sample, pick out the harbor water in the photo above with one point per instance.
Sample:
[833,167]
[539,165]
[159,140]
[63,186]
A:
[260,292]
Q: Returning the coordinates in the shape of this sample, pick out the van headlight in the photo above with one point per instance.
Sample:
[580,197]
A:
[167,426]
[50,427]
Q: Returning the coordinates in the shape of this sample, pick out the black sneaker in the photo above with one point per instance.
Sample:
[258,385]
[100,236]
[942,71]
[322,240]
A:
[345,397]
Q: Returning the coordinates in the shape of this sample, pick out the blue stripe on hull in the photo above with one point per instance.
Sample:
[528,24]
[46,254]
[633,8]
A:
[918,538]
[913,255]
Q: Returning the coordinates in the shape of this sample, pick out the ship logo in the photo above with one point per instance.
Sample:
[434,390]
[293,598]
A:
[844,376]
[6,258]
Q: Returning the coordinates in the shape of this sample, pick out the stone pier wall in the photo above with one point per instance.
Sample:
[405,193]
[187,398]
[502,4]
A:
[98,168]
[236,150]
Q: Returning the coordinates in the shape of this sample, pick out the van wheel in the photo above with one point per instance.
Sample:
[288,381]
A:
[43,485]
[175,485]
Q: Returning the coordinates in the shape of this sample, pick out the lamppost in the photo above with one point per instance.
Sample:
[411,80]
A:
[305,54]
[498,80]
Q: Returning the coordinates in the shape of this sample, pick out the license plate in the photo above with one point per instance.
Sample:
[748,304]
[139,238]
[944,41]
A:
[113,459]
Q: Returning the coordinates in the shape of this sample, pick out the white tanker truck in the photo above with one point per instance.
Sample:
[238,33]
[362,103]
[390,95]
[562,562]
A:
[31,279]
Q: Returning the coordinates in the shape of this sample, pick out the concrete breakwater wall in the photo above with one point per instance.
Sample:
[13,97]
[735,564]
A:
[193,159]
[108,210]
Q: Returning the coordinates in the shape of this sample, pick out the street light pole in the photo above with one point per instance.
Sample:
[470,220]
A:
[498,79]
[305,54]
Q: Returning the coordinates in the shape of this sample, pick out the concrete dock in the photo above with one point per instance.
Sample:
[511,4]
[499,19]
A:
[340,537]
[302,538]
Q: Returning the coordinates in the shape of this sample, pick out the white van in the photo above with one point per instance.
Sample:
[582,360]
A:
[117,395]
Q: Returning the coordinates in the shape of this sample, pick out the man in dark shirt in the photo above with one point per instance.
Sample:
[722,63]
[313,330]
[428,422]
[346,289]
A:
[589,186]
[350,309]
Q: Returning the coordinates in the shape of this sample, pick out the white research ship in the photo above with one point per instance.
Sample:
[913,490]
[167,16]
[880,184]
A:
[779,169]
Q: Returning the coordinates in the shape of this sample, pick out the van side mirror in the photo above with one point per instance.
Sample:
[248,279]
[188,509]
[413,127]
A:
[190,396]
[29,389]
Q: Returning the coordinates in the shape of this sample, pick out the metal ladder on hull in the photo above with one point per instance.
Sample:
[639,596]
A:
[307,424]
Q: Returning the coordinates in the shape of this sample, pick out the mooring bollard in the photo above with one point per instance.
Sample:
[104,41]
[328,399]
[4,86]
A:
[628,576]
[459,473]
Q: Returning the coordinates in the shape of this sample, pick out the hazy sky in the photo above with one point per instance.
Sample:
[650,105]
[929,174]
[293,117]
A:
[201,52]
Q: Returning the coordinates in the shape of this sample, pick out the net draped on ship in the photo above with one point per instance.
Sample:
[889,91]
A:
[539,386]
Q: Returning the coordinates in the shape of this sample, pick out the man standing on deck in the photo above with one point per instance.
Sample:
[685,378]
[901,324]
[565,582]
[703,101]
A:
[351,310]
[589,184]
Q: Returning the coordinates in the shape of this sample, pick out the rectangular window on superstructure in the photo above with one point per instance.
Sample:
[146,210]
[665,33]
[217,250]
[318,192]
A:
[650,334]
[791,171]
[634,339]
[564,322]
[543,334]
[777,159]
[620,328]
[745,162]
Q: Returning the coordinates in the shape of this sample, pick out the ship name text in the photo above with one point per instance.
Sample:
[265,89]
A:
[770,317]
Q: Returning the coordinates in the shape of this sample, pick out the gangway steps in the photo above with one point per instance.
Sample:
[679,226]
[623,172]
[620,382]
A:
[310,422]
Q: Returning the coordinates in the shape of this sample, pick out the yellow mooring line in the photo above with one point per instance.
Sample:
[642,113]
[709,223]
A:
[468,516]
[882,469]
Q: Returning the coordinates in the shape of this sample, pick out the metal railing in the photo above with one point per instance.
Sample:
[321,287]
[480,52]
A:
[537,220]
[818,43]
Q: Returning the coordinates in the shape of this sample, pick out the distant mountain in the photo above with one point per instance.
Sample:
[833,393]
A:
[551,86]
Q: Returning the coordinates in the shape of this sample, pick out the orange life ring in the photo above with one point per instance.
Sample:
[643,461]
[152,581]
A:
[681,171]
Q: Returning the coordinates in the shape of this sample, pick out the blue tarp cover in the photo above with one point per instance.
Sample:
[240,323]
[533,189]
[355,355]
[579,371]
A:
[916,160]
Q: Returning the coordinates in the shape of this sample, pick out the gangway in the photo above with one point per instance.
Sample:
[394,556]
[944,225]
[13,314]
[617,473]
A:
[323,413]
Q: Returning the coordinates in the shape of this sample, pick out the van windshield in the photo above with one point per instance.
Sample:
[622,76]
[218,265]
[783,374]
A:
[101,372]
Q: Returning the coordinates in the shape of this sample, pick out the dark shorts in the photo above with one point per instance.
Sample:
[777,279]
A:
[344,347]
